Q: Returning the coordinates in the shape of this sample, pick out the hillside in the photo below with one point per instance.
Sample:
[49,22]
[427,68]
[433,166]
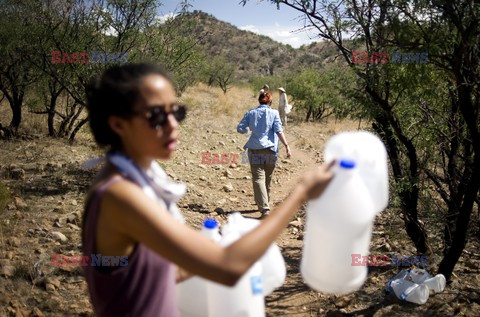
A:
[254,54]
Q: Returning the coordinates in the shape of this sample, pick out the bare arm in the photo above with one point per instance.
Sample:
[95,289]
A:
[282,138]
[134,214]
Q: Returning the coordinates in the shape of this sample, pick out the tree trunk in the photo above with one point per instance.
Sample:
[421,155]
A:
[408,195]
[309,113]
[470,115]
[15,101]
[77,128]
[460,236]
[51,115]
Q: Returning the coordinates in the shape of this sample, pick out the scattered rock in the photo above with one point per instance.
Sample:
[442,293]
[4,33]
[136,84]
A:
[53,280]
[72,218]
[234,141]
[17,173]
[59,222]
[73,226]
[233,165]
[9,255]
[247,177]
[7,270]
[228,187]
[20,203]
[37,313]
[51,167]
[203,178]
[343,301]
[50,288]
[219,211]
[244,191]
[221,143]
[58,210]
[22,313]
[227,173]
[295,223]
[14,242]
[74,202]
[58,236]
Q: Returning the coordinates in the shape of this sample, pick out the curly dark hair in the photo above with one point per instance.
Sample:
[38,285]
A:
[115,92]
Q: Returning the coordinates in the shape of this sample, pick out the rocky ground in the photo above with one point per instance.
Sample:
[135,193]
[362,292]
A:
[48,185]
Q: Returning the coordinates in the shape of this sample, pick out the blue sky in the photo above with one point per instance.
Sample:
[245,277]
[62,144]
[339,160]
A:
[260,17]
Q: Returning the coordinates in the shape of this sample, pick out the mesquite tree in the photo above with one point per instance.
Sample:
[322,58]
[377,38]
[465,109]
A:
[426,113]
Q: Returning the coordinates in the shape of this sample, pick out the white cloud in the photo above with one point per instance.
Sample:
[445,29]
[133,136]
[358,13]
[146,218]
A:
[282,34]
[164,18]
[251,28]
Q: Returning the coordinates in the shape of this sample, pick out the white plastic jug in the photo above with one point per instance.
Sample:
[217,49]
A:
[339,224]
[370,153]
[435,284]
[410,291]
[192,293]
[245,299]
[274,270]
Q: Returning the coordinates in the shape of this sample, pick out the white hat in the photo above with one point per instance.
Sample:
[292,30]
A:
[281,89]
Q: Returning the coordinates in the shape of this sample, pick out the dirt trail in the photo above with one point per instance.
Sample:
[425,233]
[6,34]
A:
[306,160]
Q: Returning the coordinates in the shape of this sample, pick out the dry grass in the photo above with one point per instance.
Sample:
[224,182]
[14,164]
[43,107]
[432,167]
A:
[32,124]
[212,101]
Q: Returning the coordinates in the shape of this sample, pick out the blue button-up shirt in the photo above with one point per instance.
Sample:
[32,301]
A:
[264,123]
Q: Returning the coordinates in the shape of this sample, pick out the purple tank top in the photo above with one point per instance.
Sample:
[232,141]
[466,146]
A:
[145,287]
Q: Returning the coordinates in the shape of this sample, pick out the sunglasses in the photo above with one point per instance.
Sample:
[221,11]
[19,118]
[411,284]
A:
[157,116]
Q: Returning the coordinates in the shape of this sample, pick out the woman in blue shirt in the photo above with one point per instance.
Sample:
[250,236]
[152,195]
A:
[262,146]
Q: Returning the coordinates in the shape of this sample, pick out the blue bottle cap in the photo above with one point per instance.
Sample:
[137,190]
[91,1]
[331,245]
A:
[210,223]
[347,164]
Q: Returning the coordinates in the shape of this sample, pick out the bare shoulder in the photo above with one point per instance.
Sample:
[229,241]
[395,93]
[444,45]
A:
[122,192]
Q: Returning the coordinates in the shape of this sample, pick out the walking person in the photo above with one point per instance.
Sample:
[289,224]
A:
[130,210]
[265,89]
[266,127]
[283,106]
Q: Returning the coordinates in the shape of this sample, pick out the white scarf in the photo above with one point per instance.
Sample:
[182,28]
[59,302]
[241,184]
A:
[154,181]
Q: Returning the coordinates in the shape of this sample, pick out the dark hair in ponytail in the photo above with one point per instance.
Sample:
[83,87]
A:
[115,92]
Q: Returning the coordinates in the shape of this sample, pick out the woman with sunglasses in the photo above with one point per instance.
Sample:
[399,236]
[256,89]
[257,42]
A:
[134,114]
